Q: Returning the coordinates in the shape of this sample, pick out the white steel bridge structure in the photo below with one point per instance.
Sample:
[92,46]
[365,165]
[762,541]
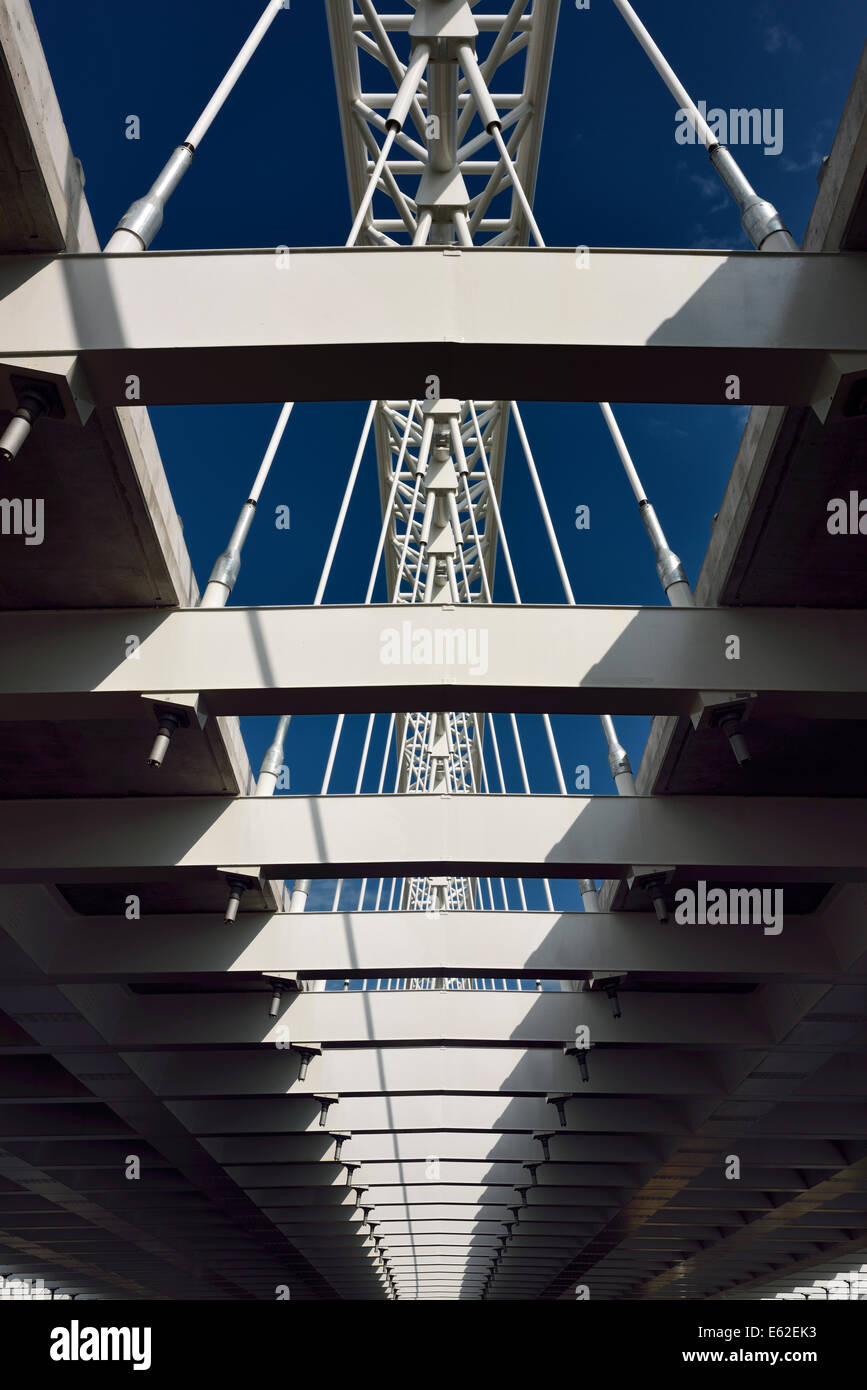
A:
[437,1084]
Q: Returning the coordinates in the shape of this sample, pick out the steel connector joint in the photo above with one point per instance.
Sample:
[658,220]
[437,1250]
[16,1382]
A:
[669,569]
[33,403]
[142,220]
[168,722]
[228,565]
[668,565]
[226,569]
[653,885]
[731,727]
[759,218]
[144,217]
[237,885]
[618,760]
[273,761]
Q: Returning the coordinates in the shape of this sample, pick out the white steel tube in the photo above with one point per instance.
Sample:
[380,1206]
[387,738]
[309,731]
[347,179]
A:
[483,569]
[555,756]
[347,497]
[518,186]
[466,735]
[213,107]
[463,469]
[760,219]
[496,747]
[407,538]
[482,97]
[668,75]
[493,125]
[273,446]
[492,494]
[625,456]
[228,564]
[668,566]
[462,226]
[387,515]
[623,778]
[371,187]
[300,892]
[589,895]
[143,219]
[273,759]
[388,735]
[521,762]
[503,38]
[408,86]
[364,753]
[543,505]
[423,227]
[338,729]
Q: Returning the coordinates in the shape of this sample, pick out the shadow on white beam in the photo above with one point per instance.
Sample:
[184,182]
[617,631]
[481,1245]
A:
[529,324]
[340,659]
[113,839]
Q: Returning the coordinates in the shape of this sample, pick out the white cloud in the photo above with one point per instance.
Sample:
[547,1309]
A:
[663,429]
[777,38]
[712,189]
[817,150]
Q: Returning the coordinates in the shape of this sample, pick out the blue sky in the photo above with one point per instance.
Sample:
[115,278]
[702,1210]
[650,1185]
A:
[271,172]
